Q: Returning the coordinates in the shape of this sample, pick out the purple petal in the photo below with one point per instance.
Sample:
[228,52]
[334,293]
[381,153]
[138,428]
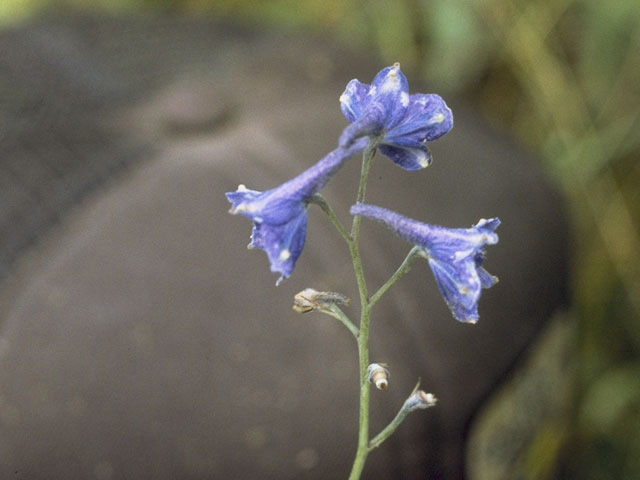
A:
[409,158]
[390,90]
[241,195]
[427,118]
[381,107]
[270,206]
[354,100]
[282,243]
[488,226]
[486,279]
[460,287]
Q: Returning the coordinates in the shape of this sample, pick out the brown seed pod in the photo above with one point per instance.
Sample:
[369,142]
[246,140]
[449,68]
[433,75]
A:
[310,299]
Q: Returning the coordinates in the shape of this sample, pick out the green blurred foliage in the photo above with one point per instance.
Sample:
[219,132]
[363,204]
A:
[562,77]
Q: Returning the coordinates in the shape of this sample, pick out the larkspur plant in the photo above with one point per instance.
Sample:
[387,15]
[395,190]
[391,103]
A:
[383,117]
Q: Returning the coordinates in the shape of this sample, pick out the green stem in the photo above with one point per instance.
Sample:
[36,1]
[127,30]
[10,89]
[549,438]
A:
[354,244]
[365,315]
[337,313]
[418,400]
[404,268]
[363,429]
[326,208]
[362,188]
[389,429]
[367,157]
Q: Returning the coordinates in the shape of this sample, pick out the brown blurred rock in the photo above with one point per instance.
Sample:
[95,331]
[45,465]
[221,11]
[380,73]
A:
[141,340]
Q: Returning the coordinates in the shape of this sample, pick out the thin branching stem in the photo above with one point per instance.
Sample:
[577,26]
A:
[389,429]
[403,269]
[337,313]
[333,218]
[415,401]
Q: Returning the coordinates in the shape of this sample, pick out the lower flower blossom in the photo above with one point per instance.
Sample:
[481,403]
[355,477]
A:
[454,254]
[279,215]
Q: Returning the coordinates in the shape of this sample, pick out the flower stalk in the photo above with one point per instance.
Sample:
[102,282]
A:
[337,313]
[383,118]
[404,268]
[319,200]
[365,317]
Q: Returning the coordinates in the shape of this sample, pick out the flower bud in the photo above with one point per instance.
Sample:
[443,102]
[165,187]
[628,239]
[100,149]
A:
[420,400]
[378,375]
[310,299]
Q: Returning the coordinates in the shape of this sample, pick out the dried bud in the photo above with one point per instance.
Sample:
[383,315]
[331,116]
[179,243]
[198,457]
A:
[420,400]
[310,299]
[378,375]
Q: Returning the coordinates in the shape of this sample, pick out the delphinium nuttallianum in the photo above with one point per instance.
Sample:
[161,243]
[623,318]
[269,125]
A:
[383,117]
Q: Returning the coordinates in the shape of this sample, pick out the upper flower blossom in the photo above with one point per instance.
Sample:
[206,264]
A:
[404,122]
[455,256]
[279,215]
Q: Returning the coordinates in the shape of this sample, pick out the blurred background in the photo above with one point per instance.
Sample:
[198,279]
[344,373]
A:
[562,77]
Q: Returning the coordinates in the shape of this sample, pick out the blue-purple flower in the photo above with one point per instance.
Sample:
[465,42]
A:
[279,215]
[404,123]
[455,255]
